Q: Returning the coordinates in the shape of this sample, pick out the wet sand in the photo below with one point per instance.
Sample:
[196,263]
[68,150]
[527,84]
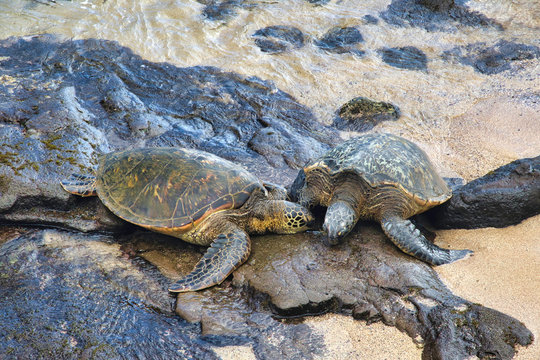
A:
[503,273]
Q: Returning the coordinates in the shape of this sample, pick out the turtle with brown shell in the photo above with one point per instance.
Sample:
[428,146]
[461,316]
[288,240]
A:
[379,177]
[197,197]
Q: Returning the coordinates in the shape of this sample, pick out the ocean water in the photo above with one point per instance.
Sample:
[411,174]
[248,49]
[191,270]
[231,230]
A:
[189,33]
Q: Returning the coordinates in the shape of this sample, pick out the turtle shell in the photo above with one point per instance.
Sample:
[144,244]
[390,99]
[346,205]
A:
[386,159]
[171,190]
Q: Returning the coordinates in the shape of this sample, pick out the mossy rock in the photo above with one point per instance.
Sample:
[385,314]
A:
[362,114]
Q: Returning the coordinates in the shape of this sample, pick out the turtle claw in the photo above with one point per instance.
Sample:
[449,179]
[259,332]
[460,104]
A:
[459,254]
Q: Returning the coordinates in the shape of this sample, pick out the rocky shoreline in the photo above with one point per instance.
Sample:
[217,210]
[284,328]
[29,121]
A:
[67,263]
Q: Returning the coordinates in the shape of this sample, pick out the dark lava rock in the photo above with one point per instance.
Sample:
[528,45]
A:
[342,40]
[218,10]
[67,296]
[437,5]
[370,19]
[454,183]
[278,38]
[503,197]
[62,104]
[371,278]
[318,2]
[407,57]
[494,59]
[362,114]
[412,13]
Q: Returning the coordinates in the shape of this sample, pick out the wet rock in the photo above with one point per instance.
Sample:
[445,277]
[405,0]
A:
[62,104]
[126,107]
[494,59]
[362,114]
[370,19]
[503,197]
[279,38]
[318,2]
[370,277]
[216,10]
[226,311]
[407,57]
[436,18]
[277,148]
[94,297]
[454,183]
[342,40]
[68,296]
[437,5]
[363,310]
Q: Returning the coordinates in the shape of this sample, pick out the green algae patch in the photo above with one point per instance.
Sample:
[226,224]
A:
[49,143]
[8,158]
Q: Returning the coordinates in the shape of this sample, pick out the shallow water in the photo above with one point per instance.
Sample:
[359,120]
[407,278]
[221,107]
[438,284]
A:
[182,33]
[178,32]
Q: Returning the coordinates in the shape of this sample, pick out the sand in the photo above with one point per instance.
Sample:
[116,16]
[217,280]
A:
[503,274]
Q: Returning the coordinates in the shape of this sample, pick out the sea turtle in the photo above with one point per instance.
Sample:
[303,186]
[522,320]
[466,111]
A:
[379,177]
[195,196]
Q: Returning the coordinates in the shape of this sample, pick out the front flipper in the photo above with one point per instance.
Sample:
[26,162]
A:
[227,252]
[408,238]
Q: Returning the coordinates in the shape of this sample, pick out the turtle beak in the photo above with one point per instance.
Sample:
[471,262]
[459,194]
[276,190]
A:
[334,234]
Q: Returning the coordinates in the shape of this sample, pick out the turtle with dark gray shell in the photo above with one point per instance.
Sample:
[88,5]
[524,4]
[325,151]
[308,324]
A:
[379,177]
[195,196]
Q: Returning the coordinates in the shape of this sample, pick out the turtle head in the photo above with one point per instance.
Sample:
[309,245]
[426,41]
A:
[302,192]
[339,221]
[297,187]
[296,218]
[313,186]
[279,216]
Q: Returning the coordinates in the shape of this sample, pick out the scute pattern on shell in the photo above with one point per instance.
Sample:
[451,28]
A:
[386,159]
[171,187]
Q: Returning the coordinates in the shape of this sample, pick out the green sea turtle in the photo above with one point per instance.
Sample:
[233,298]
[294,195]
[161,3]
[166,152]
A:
[195,196]
[379,177]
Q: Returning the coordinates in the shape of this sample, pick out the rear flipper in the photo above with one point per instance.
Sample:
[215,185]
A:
[82,185]
[408,238]
[225,254]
